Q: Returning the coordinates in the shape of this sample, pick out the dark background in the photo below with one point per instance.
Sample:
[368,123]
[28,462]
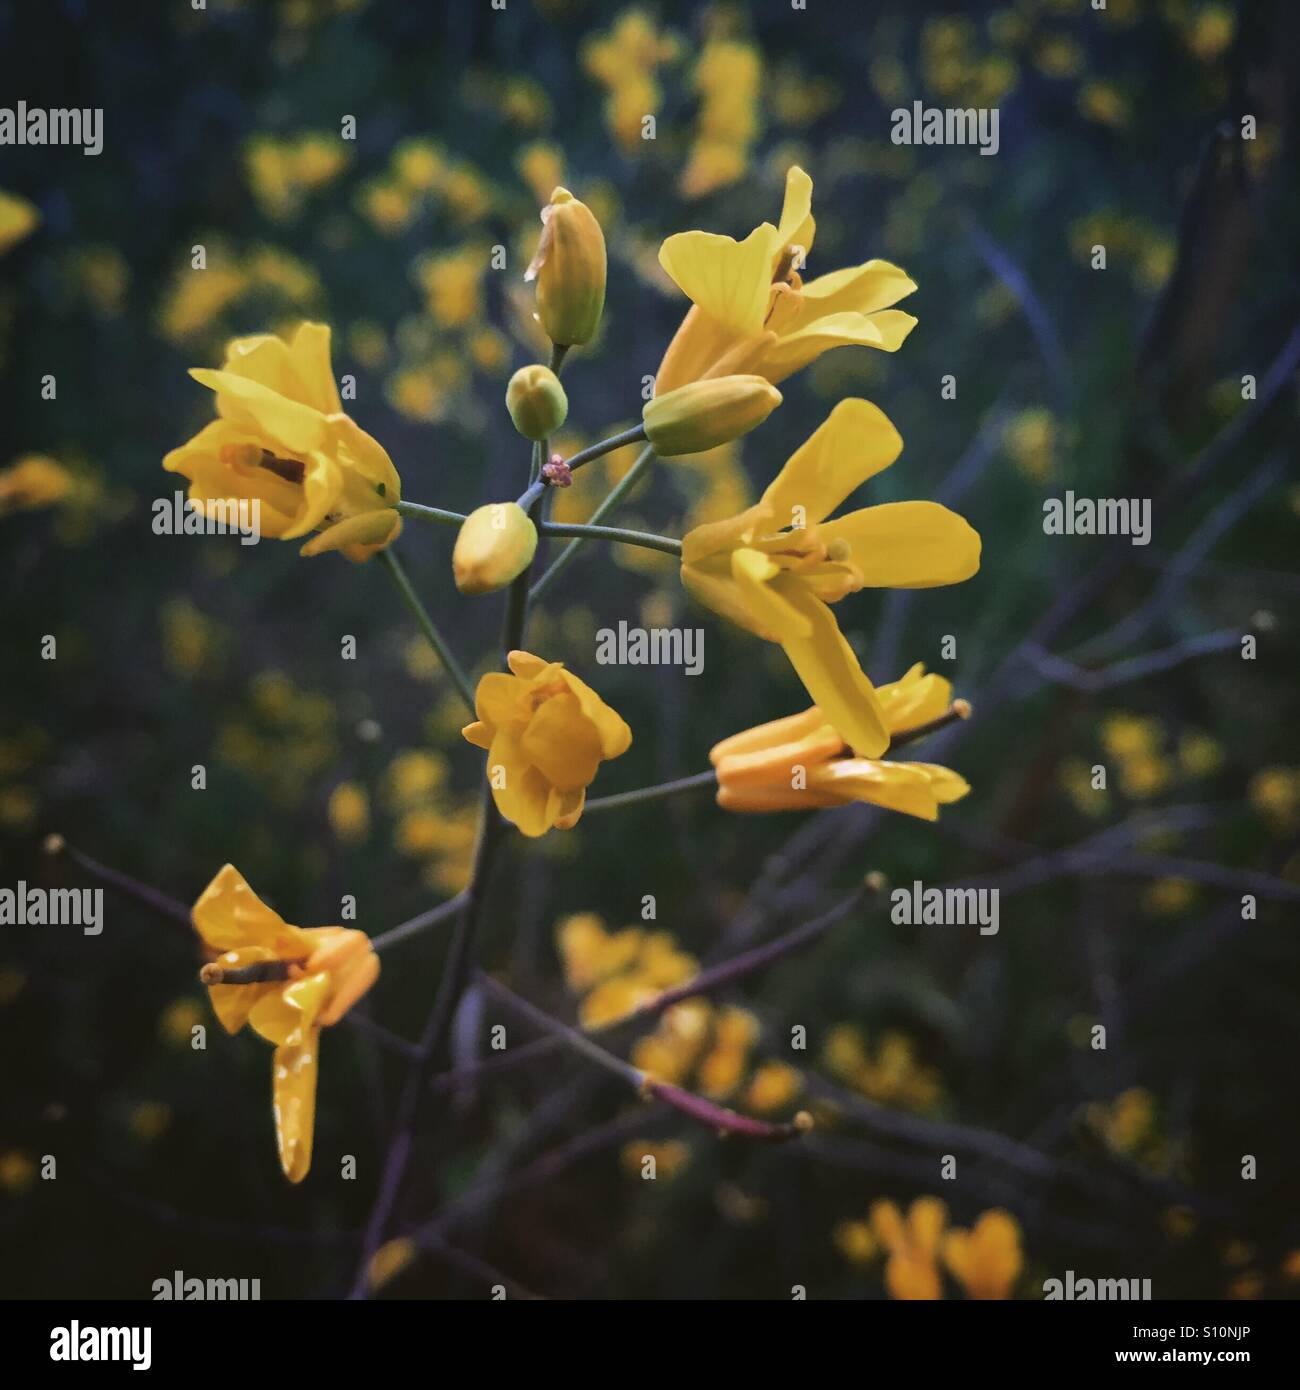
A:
[1122,908]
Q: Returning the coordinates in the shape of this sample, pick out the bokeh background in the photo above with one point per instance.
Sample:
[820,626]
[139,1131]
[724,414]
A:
[1120,906]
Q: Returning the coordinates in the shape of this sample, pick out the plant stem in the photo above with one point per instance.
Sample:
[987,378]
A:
[656,793]
[421,922]
[453,668]
[614,497]
[439,514]
[959,710]
[617,534]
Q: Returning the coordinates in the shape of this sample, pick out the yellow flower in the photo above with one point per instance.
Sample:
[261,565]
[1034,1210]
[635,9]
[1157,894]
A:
[18,219]
[281,439]
[986,1260]
[349,812]
[778,582]
[912,1271]
[752,311]
[570,269]
[801,763]
[546,733]
[34,481]
[287,983]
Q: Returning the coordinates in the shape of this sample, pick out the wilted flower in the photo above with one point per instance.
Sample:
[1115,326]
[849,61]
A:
[287,983]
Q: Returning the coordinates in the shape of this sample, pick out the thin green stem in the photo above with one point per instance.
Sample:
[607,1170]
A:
[438,514]
[646,539]
[453,668]
[615,496]
[656,793]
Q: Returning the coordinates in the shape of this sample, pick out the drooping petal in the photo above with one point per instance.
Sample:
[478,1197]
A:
[519,789]
[612,729]
[831,674]
[368,531]
[855,442]
[293,1101]
[907,545]
[914,699]
[729,280]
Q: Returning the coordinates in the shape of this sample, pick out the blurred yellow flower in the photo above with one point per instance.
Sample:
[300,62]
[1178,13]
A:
[18,219]
[349,812]
[775,568]
[986,1260]
[728,78]
[283,440]
[287,983]
[32,482]
[546,733]
[1030,439]
[913,1243]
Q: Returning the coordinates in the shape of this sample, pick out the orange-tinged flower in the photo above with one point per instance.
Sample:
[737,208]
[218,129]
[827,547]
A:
[912,1270]
[751,310]
[546,734]
[287,983]
[986,1260]
[801,763]
[777,566]
[281,439]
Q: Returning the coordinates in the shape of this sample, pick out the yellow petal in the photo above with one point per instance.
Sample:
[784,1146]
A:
[797,226]
[290,426]
[855,442]
[729,280]
[831,674]
[357,536]
[230,916]
[526,665]
[697,347]
[915,699]
[947,785]
[895,786]
[858,289]
[770,735]
[562,744]
[293,1102]
[479,734]
[282,1014]
[770,612]
[310,351]
[907,545]
[716,589]
[778,765]
[614,734]
[792,352]
[519,789]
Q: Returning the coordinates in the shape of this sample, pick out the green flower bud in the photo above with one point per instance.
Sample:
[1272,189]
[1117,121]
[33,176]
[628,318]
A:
[704,414]
[569,268]
[536,402]
[495,545]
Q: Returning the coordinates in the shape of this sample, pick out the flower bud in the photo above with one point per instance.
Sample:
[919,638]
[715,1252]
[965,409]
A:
[536,402]
[707,413]
[495,545]
[569,268]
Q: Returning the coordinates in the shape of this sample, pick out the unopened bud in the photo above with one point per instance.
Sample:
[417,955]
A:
[536,402]
[495,545]
[569,268]
[704,414]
